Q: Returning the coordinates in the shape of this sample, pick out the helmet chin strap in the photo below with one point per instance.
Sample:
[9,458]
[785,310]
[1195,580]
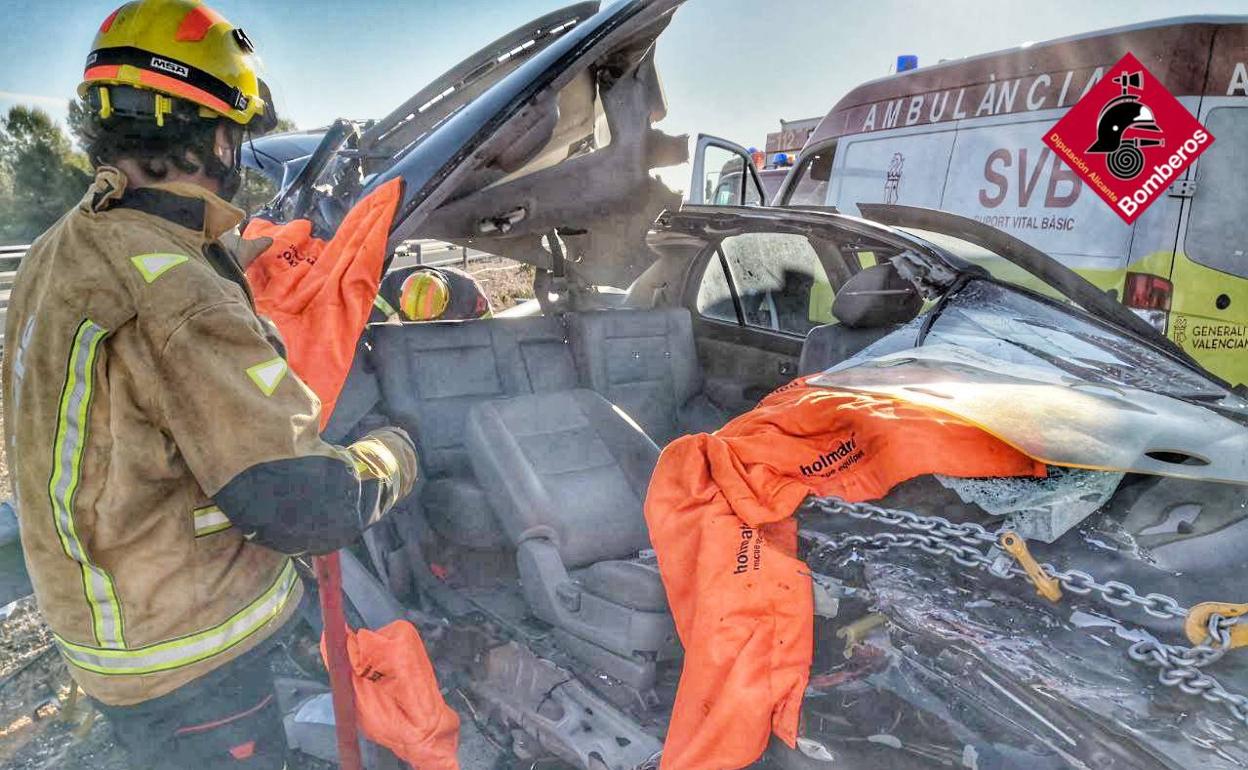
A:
[229,177]
[233,180]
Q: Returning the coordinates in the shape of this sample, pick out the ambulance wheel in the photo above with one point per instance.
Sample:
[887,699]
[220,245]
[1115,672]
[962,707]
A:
[1126,162]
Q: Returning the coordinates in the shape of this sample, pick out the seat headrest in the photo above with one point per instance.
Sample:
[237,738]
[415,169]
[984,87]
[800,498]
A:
[876,296]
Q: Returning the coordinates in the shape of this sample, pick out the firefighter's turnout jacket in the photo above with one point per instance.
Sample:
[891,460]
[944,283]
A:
[165,460]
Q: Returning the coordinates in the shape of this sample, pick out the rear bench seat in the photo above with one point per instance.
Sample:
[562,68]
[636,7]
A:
[644,362]
[431,374]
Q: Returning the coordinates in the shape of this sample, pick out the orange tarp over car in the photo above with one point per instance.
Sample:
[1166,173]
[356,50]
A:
[719,510]
[320,293]
[397,696]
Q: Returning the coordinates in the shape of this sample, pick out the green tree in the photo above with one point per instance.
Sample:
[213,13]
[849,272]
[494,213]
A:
[76,120]
[41,175]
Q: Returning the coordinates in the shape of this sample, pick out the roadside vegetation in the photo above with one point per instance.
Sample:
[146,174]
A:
[44,172]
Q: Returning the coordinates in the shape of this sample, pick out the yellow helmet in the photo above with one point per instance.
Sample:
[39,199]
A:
[148,51]
[424,296]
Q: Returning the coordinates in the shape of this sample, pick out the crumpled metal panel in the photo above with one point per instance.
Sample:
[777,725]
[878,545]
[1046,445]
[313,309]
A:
[1073,423]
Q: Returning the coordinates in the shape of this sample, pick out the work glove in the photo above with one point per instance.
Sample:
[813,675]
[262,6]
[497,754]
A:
[388,456]
[244,250]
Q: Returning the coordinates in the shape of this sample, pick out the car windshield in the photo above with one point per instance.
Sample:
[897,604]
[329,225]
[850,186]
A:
[968,245]
[1018,331]
[997,266]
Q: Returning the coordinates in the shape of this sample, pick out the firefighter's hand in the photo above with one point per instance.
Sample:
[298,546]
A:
[388,455]
[244,250]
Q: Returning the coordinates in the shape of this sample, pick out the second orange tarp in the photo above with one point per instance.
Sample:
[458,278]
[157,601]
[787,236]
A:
[719,510]
[397,699]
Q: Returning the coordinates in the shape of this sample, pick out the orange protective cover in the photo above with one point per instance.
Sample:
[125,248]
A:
[320,293]
[719,510]
[397,700]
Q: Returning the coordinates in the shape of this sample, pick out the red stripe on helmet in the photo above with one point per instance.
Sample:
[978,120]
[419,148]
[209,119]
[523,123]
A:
[184,90]
[108,23]
[196,24]
[106,72]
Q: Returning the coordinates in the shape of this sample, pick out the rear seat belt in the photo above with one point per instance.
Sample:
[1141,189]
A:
[555,280]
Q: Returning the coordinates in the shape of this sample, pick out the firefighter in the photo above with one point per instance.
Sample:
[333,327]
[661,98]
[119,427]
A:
[424,293]
[166,461]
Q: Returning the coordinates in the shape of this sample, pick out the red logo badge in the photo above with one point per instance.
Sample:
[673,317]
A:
[1129,138]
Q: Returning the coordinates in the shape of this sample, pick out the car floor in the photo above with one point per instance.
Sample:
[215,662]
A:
[41,730]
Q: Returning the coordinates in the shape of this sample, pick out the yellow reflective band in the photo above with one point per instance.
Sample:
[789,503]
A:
[71,439]
[268,374]
[187,650]
[210,520]
[153,266]
[385,307]
[373,459]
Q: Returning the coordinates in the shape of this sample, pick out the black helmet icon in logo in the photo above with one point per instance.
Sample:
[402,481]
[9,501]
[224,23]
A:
[1120,115]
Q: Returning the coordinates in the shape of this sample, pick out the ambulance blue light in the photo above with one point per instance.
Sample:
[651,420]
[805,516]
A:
[907,62]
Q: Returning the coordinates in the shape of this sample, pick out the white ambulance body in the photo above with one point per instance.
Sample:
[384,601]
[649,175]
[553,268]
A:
[966,136]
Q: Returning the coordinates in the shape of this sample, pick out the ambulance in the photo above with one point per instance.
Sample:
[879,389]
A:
[966,136]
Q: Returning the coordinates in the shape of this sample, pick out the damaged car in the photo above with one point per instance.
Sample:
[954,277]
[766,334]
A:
[1086,619]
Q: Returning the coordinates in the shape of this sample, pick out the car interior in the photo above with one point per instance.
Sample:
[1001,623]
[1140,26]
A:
[537,434]
[537,438]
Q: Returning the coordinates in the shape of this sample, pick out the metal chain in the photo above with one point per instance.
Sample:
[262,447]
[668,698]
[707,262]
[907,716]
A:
[1178,666]
[969,533]
[1118,593]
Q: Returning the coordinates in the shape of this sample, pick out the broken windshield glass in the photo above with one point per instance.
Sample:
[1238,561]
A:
[1019,330]
[1016,328]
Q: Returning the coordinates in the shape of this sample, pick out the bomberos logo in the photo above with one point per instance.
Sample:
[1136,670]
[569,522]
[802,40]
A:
[1129,138]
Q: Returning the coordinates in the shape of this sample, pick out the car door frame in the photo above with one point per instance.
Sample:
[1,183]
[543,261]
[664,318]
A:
[697,182]
[783,348]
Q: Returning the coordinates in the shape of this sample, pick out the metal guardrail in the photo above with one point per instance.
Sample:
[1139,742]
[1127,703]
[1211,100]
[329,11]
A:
[10,259]
[418,252]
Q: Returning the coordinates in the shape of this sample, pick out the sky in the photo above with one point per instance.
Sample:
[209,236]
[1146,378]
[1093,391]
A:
[733,68]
